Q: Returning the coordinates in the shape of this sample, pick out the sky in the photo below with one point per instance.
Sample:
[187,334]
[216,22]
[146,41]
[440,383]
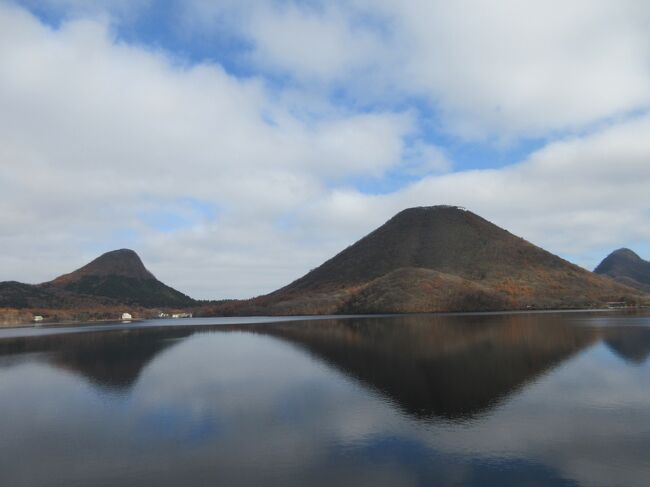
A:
[237,144]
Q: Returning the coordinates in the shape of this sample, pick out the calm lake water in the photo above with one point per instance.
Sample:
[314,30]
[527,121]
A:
[515,399]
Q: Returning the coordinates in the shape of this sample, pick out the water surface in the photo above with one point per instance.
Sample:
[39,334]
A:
[513,399]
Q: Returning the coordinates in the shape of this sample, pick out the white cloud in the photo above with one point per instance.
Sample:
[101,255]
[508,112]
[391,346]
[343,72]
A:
[507,68]
[491,69]
[317,45]
[423,159]
[94,132]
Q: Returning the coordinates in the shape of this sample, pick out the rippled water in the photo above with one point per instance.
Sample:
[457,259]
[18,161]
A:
[515,399]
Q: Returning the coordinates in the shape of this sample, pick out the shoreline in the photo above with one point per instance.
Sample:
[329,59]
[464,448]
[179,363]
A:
[54,324]
[82,323]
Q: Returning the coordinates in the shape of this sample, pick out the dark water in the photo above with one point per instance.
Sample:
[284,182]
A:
[523,399]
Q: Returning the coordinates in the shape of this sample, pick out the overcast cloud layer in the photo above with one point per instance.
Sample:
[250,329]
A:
[234,170]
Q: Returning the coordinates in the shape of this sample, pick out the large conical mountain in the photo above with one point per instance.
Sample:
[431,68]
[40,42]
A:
[121,276]
[626,267]
[441,258]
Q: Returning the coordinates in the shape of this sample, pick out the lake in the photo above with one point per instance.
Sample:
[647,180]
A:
[477,399]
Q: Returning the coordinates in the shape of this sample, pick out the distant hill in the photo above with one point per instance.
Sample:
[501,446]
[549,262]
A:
[120,275]
[123,263]
[626,267]
[440,258]
[115,278]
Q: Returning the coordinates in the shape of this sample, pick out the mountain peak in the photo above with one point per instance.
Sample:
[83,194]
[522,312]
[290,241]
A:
[627,253]
[439,237]
[430,211]
[613,262]
[627,267]
[120,275]
[432,208]
[121,262]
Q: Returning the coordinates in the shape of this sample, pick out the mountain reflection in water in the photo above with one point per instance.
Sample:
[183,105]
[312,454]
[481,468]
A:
[448,367]
[109,359]
[485,399]
[631,343]
[452,367]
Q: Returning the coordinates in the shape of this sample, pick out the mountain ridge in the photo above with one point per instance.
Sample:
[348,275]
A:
[423,259]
